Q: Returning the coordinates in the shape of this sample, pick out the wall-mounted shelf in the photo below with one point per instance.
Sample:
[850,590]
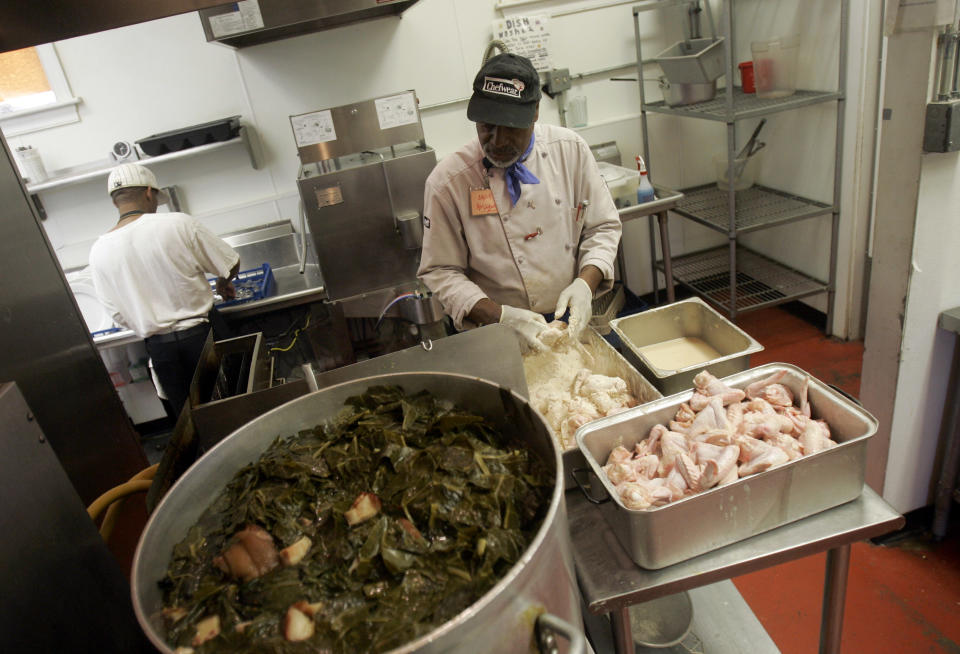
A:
[87,172]
[757,207]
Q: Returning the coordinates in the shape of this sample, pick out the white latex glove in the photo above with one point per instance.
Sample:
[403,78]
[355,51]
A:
[528,324]
[579,299]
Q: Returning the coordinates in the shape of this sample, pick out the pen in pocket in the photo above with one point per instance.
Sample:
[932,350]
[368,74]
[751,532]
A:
[581,209]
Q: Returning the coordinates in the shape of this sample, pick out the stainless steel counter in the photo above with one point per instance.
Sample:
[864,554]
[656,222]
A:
[611,582]
[292,289]
[666,200]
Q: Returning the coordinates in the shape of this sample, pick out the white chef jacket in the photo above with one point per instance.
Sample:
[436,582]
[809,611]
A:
[151,274]
[524,255]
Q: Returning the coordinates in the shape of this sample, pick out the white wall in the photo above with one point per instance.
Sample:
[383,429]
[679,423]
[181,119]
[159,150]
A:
[161,75]
[907,359]
[927,351]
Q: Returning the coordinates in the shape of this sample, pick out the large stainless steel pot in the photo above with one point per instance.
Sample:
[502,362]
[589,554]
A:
[505,619]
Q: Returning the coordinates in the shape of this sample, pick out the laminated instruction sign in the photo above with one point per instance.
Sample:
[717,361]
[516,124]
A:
[528,36]
[313,128]
[244,17]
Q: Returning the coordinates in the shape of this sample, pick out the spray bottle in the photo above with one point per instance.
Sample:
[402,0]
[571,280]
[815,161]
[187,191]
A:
[644,187]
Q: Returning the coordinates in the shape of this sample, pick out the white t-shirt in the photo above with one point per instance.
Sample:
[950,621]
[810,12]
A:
[151,274]
[522,255]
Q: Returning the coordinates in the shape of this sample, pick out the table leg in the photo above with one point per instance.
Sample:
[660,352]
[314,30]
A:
[622,634]
[665,250]
[834,594]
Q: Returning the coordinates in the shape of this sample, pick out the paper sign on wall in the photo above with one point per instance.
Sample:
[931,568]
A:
[310,129]
[396,110]
[246,16]
[528,36]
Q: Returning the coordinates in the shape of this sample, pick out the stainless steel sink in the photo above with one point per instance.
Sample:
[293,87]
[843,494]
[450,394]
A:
[278,245]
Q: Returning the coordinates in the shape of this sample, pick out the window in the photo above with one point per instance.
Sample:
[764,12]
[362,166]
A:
[34,93]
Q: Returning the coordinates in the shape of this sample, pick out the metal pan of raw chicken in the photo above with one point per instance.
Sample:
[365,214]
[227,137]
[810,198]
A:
[726,460]
[571,383]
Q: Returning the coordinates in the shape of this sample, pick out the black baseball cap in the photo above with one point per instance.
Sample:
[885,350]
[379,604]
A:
[505,92]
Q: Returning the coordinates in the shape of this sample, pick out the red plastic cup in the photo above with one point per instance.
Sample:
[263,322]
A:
[746,76]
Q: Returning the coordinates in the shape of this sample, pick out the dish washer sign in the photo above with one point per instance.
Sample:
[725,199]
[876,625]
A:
[244,18]
[528,36]
[396,110]
[313,128]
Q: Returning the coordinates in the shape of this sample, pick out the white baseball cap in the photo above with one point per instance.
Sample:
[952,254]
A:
[131,175]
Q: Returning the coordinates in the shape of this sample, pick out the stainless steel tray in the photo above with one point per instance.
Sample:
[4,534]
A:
[658,537]
[691,317]
[611,363]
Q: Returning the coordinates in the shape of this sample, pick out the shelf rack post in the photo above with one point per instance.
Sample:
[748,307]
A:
[838,164]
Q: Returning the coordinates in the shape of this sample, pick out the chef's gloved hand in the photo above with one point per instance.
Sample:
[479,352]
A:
[528,324]
[579,299]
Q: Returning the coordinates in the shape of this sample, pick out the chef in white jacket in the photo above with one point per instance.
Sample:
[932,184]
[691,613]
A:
[519,222]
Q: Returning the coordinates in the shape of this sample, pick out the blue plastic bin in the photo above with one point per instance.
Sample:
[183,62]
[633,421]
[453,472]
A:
[250,285]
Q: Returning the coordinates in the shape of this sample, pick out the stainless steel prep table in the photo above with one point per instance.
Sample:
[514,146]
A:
[666,199]
[611,582]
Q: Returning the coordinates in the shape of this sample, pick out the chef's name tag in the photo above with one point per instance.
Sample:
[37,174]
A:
[481,202]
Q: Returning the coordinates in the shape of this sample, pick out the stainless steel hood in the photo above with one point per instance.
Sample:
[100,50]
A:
[253,22]
[25,24]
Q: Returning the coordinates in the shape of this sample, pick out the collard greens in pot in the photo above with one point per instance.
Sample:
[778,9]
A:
[385,523]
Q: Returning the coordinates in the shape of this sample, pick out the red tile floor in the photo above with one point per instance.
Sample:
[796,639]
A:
[903,596]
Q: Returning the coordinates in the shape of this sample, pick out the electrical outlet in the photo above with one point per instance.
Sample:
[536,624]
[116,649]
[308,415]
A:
[558,81]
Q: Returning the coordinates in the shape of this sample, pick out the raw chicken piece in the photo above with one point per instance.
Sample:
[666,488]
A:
[788,444]
[758,456]
[721,437]
[646,465]
[642,494]
[634,496]
[679,427]
[719,468]
[676,483]
[755,389]
[804,404]
[797,419]
[620,472]
[778,395]
[712,417]
[691,471]
[684,418]
[672,445]
[685,415]
[699,400]
[760,405]
[761,425]
[651,444]
[735,415]
[710,385]
[815,438]
[619,454]
[732,475]
[703,452]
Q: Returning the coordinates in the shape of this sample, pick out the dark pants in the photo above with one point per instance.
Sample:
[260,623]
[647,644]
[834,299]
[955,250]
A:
[175,356]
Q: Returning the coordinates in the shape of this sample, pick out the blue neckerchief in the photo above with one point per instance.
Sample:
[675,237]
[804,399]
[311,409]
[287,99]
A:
[516,173]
